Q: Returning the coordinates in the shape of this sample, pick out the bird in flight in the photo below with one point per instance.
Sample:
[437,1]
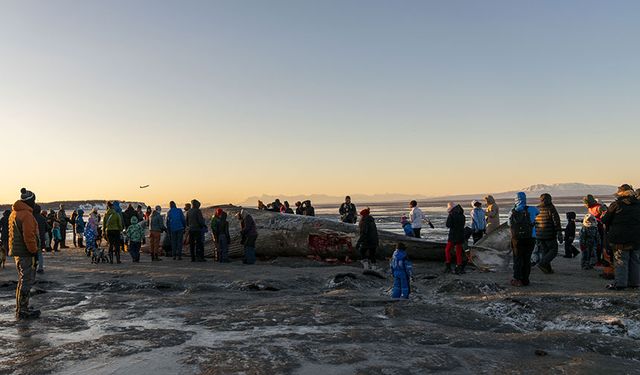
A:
[144,186]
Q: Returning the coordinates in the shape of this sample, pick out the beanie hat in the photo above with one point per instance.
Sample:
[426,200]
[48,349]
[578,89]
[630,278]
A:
[403,219]
[27,197]
[218,212]
[365,212]
[589,200]
[474,203]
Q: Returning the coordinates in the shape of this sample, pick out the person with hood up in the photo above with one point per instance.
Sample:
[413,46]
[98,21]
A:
[347,211]
[91,233]
[622,220]
[368,239]
[523,238]
[478,221]
[196,225]
[135,234]
[220,231]
[248,236]
[24,244]
[156,227]
[493,214]
[406,226]
[596,209]
[42,235]
[4,236]
[570,251]
[175,225]
[113,225]
[80,227]
[455,222]
[548,232]
[589,241]
[63,220]
[402,270]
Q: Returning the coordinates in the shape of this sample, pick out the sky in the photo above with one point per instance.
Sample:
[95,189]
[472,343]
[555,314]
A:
[221,100]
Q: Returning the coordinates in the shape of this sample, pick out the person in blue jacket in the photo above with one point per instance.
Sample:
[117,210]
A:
[402,270]
[522,243]
[406,225]
[176,224]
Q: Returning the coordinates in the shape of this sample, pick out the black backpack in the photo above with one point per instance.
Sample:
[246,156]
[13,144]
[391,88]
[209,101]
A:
[520,223]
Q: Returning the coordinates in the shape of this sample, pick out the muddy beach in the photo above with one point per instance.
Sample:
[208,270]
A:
[298,316]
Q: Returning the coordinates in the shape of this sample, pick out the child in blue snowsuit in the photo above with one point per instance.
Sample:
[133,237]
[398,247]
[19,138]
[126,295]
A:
[406,225]
[402,270]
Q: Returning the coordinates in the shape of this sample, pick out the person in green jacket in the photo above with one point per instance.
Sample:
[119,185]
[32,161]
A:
[113,224]
[135,234]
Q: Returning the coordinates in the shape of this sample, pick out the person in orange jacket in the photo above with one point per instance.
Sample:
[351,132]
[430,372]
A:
[24,243]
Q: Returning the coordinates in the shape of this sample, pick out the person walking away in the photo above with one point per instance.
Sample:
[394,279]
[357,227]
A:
[156,227]
[548,232]
[402,270]
[72,221]
[299,208]
[415,217]
[455,223]
[135,234]
[24,244]
[220,231]
[42,235]
[62,218]
[139,214]
[175,225]
[478,221]
[80,227]
[523,239]
[570,251]
[308,209]
[622,220]
[248,236]
[368,239]
[406,226]
[589,241]
[57,236]
[287,208]
[493,214]
[196,225]
[113,224]
[597,210]
[348,213]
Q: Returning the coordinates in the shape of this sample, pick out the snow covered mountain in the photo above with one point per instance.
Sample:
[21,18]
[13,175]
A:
[571,189]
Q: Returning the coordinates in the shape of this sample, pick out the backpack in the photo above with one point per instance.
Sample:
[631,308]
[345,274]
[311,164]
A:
[520,223]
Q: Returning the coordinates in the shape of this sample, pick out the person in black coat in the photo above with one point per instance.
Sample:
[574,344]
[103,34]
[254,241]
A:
[348,213]
[570,251]
[455,223]
[368,240]
[623,224]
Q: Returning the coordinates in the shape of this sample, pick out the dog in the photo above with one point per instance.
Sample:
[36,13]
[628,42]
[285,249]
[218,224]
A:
[99,256]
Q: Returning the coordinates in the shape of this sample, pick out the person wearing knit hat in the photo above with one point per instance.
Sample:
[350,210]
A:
[406,226]
[248,236]
[156,227]
[596,209]
[24,244]
[368,239]
[622,220]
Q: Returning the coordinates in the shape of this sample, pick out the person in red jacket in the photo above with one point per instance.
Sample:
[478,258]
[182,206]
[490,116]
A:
[24,242]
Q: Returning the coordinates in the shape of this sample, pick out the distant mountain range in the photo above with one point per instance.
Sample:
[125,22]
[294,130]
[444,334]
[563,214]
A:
[556,190]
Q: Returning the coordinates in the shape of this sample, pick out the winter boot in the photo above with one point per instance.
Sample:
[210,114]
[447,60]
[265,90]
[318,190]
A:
[80,243]
[447,268]
[459,270]
[110,258]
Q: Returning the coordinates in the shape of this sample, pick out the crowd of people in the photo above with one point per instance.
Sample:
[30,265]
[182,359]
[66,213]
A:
[609,237]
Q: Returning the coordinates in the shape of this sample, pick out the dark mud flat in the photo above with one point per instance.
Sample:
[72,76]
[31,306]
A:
[294,316]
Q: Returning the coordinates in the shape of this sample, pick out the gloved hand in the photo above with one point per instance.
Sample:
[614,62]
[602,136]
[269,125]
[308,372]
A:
[560,238]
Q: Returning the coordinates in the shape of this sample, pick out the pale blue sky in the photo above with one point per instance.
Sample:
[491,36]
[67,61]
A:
[240,98]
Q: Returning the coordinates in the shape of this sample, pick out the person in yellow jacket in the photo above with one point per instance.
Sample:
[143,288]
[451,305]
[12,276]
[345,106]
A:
[24,243]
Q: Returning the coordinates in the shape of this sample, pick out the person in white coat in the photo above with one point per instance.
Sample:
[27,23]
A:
[416,217]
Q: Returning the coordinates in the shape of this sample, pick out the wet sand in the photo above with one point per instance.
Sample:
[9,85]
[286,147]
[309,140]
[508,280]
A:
[297,316]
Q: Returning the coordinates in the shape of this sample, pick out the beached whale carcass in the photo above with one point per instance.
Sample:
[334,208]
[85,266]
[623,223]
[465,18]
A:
[295,235]
[493,251]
